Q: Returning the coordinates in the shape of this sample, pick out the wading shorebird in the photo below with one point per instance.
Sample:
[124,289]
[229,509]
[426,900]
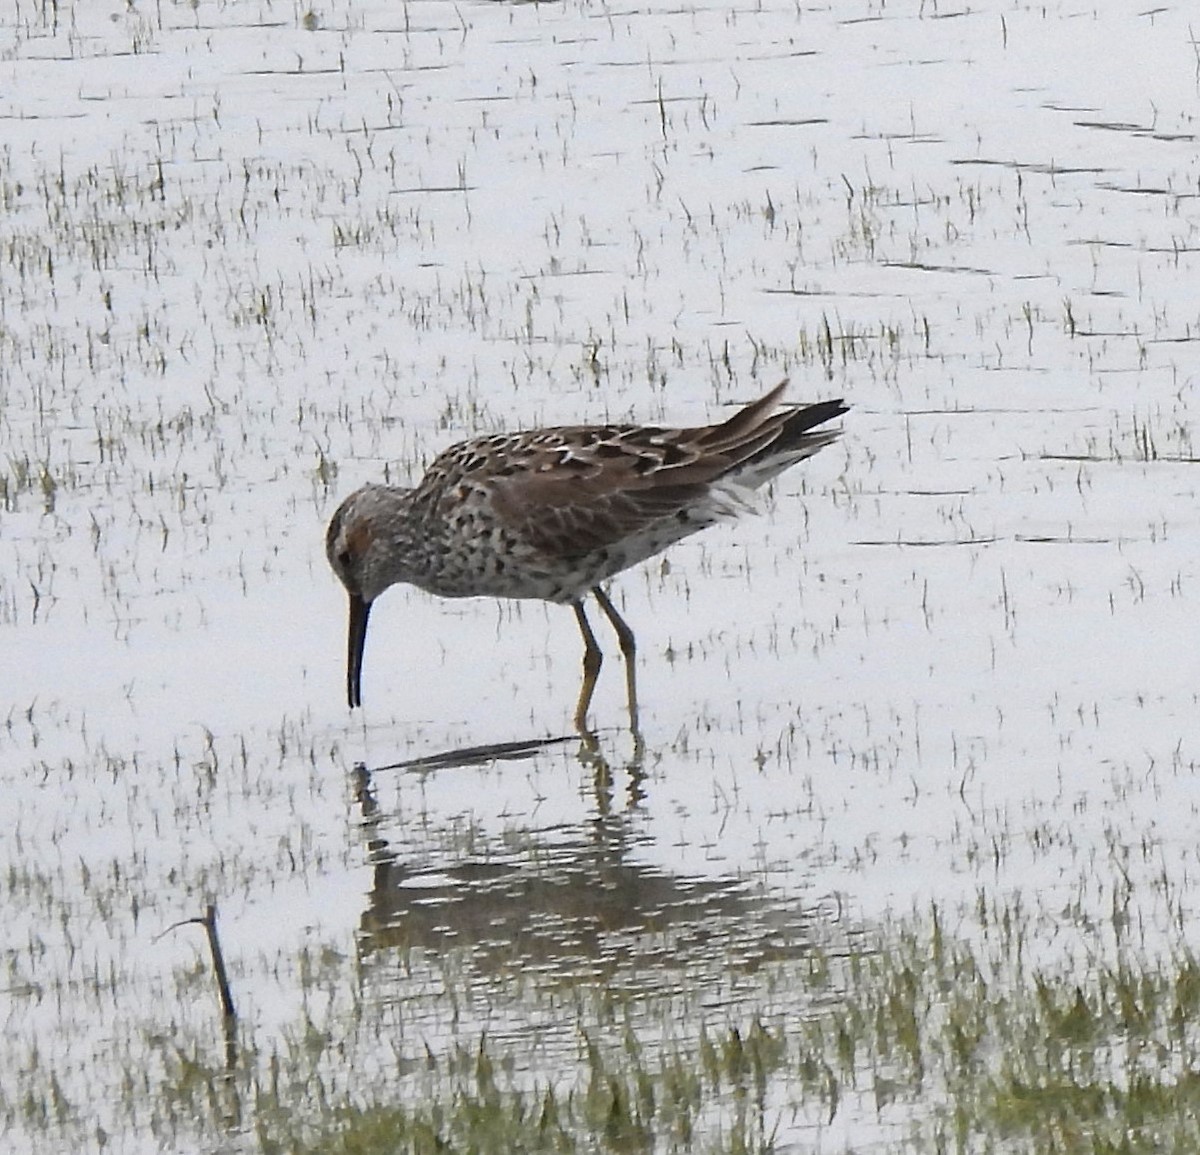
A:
[552,513]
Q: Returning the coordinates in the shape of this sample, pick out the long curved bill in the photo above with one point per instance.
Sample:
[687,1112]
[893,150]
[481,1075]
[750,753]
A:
[360,611]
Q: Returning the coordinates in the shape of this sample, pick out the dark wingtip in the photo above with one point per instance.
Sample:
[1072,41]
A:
[810,416]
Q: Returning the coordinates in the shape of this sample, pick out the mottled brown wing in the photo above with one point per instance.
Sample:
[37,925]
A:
[571,491]
[573,501]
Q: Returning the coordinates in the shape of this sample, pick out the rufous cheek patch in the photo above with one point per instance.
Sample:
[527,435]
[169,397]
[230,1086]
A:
[359,538]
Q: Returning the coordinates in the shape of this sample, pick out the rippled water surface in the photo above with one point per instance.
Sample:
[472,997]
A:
[253,255]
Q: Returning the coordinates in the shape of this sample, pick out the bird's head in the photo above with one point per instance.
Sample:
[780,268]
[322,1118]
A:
[357,552]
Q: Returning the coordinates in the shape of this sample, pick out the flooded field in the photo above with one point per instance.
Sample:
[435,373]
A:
[902,858]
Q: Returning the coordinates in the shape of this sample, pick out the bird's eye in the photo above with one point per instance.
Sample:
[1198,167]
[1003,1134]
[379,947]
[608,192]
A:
[344,558]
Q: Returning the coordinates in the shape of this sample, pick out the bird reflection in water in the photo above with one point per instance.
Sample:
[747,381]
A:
[569,898]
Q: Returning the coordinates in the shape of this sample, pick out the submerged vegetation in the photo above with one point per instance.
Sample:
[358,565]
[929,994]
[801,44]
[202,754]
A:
[946,1048]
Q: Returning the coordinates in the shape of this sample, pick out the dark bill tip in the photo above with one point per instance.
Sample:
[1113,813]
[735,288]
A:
[360,611]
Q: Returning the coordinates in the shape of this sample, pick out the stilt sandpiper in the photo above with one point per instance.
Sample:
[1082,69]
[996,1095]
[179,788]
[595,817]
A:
[552,513]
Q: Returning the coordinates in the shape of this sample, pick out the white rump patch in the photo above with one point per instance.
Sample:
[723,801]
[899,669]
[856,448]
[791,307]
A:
[729,498]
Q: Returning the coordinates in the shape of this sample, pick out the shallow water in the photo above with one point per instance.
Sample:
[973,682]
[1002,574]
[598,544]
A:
[251,257]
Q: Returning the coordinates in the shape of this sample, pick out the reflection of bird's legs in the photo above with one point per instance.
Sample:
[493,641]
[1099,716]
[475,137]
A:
[592,657]
[629,651]
[589,753]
